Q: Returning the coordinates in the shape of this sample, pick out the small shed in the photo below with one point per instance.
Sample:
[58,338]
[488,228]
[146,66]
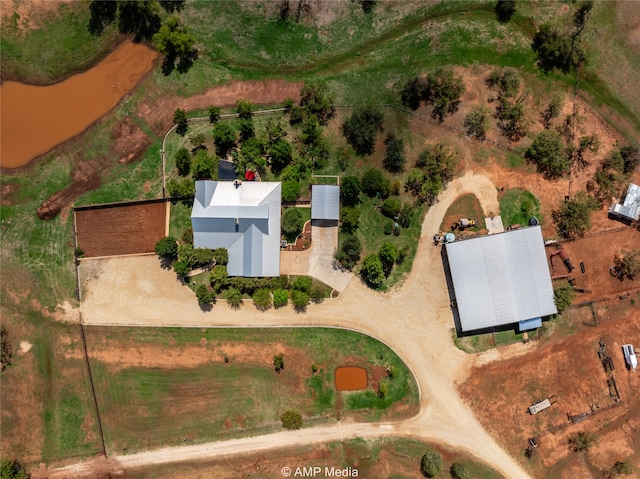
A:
[325,202]
[629,210]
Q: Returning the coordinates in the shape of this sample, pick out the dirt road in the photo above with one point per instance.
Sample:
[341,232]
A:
[415,322]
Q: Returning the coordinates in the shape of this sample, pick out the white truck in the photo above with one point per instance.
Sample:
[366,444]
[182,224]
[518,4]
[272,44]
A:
[630,356]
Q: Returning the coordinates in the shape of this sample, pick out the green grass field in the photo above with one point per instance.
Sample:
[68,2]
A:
[144,407]
[517,206]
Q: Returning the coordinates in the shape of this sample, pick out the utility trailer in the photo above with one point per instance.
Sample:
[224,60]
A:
[630,356]
[541,405]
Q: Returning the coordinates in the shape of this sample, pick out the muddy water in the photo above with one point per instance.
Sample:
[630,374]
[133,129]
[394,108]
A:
[34,119]
[351,378]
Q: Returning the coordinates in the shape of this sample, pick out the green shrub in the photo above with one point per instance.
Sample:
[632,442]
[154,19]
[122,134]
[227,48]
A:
[221,256]
[181,268]
[262,299]
[302,283]
[299,299]
[219,277]
[388,228]
[375,184]
[391,206]
[167,247]
[431,463]
[280,298]
[291,419]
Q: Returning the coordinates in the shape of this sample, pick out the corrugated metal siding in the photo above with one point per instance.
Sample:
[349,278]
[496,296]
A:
[501,279]
[325,202]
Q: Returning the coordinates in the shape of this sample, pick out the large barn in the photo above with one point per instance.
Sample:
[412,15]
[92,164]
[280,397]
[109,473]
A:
[244,218]
[501,280]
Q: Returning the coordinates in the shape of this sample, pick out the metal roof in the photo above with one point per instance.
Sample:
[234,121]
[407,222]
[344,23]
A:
[325,202]
[244,219]
[631,207]
[501,279]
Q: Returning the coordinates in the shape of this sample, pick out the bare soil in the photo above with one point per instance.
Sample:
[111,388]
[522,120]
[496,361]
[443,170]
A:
[121,230]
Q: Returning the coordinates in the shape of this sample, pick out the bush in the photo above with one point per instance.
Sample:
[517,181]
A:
[221,256]
[388,228]
[350,219]
[244,108]
[278,362]
[302,283]
[317,294]
[350,251]
[202,257]
[583,441]
[181,268]
[281,155]
[204,166]
[224,137]
[6,354]
[167,247]
[459,471]
[388,255]
[183,161]
[375,184]
[372,271]
[505,9]
[394,159]
[219,277]
[12,469]
[361,129]
[290,191]
[563,297]
[214,114]
[391,206]
[431,463]
[187,235]
[299,299]
[234,298]
[620,468]
[181,189]
[292,223]
[291,419]
[204,295]
[280,298]
[629,263]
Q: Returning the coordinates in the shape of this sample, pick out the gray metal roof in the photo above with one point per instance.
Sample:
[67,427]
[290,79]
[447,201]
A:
[631,207]
[501,279]
[325,202]
[243,219]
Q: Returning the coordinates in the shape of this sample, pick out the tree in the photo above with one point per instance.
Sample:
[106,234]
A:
[181,189]
[431,463]
[459,471]
[553,110]
[281,155]
[548,154]
[631,158]
[224,137]
[563,297]
[291,419]
[394,158]
[246,128]
[12,469]
[292,222]
[513,119]
[350,218]
[197,141]
[180,119]
[372,271]
[506,81]
[556,49]
[375,184]
[278,362]
[361,129]
[290,191]
[350,190]
[175,42]
[214,114]
[367,5]
[262,299]
[583,441]
[219,277]
[299,299]
[142,18]
[629,263]
[204,166]
[181,268]
[317,101]
[221,256]
[171,6]
[302,283]
[244,108]
[435,167]
[391,206]
[234,298]
[5,353]
[204,295]
[183,161]
[103,14]
[280,298]
[443,91]
[620,468]
[388,255]
[505,10]
[350,250]
[573,218]
[477,122]
[167,247]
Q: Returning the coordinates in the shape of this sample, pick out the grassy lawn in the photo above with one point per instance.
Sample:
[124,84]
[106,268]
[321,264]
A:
[517,206]
[153,406]
[466,206]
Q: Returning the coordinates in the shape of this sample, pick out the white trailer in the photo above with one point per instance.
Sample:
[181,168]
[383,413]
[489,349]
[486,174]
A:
[540,406]
[630,356]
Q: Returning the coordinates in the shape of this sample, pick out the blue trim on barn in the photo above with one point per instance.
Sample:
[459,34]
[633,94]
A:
[529,324]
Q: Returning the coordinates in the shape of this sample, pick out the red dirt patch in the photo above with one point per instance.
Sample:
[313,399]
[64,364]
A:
[121,229]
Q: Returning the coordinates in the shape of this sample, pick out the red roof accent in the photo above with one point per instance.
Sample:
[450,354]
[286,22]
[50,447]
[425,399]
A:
[249,175]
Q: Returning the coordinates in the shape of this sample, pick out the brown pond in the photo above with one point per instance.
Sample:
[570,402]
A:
[351,378]
[37,118]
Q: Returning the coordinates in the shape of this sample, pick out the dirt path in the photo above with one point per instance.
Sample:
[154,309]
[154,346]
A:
[420,335]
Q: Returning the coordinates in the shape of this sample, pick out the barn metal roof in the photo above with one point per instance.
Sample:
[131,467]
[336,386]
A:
[325,202]
[244,219]
[631,207]
[501,279]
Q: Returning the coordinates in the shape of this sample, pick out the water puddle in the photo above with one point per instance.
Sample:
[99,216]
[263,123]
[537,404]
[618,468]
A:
[34,119]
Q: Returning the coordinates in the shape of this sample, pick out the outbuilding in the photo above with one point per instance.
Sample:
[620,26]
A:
[499,280]
[325,202]
[629,210]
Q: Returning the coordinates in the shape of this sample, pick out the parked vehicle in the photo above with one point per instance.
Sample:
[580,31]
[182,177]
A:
[630,356]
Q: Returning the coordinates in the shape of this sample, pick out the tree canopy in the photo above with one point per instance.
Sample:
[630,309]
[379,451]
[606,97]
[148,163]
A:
[505,9]
[443,91]
[477,122]
[573,218]
[548,153]
[394,158]
[167,247]
[361,129]
[431,463]
[372,271]
[375,184]
[350,190]
[292,222]
[318,101]
[180,119]
[176,43]
[224,137]
[12,469]
[291,419]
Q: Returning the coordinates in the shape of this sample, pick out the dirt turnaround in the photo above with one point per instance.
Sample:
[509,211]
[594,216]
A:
[37,118]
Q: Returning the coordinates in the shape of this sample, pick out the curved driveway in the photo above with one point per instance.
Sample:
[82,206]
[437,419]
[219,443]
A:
[415,321]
